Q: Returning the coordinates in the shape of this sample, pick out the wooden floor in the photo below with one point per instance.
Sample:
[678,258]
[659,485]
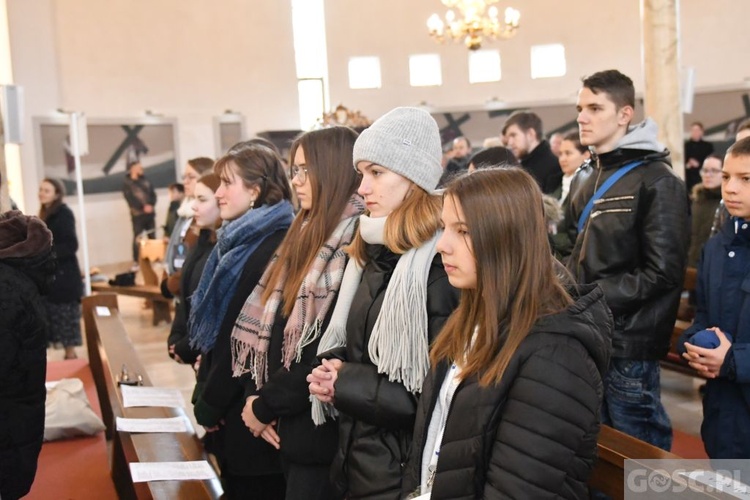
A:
[679,392]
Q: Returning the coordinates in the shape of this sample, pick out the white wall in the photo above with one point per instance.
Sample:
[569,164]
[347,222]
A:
[188,59]
[597,35]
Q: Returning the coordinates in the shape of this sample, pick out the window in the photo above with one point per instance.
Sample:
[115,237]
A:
[364,72]
[484,66]
[311,101]
[308,27]
[548,61]
[424,70]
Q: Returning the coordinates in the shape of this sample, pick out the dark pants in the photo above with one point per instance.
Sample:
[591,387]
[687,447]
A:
[632,401]
[270,487]
[307,482]
[141,223]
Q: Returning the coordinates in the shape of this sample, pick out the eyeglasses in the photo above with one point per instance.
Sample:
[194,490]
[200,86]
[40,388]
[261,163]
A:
[187,177]
[300,172]
[710,171]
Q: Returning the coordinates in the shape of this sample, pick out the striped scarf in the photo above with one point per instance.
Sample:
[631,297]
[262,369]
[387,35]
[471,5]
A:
[251,336]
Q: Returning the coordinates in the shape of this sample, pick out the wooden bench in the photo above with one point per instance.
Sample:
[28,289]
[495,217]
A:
[109,348]
[614,448]
[159,304]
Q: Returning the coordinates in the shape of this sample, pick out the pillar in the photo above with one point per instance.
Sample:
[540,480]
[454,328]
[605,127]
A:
[661,68]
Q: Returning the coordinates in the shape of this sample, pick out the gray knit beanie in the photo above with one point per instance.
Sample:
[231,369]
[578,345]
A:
[405,141]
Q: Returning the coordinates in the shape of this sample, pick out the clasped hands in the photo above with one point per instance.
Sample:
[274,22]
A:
[323,379]
[258,428]
[707,362]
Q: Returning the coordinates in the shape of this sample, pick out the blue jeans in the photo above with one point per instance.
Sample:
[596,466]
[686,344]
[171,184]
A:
[632,402]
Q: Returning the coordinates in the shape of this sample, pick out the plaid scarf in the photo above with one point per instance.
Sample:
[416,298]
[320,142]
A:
[251,336]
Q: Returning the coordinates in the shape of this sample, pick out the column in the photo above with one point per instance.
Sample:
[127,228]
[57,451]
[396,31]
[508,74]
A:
[661,68]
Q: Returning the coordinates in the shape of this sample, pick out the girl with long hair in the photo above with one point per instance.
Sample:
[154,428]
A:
[254,204]
[393,301]
[276,336]
[205,220]
[63,303]
[510,407]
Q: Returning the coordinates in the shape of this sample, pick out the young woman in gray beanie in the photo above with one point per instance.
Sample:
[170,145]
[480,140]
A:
[394,299]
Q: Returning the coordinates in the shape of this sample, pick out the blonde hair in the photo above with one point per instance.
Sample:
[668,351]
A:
[409,226]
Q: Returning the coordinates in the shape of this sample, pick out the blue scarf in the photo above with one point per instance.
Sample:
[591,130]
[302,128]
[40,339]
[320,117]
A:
[237,240]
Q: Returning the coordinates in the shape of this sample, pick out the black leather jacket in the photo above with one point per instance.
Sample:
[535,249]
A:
[634,245]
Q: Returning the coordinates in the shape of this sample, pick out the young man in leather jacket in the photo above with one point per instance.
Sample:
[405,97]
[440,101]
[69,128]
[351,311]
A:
[633,243]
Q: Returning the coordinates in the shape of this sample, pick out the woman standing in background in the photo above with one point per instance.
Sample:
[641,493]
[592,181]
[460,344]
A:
[63,304]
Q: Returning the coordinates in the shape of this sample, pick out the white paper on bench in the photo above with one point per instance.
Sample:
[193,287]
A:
[170,471]
[102,311]
[151,396]
[175,424]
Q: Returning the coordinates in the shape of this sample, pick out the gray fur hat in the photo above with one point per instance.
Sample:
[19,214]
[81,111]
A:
[405,141]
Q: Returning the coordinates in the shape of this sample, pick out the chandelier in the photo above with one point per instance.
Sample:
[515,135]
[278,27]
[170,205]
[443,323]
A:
[478,19]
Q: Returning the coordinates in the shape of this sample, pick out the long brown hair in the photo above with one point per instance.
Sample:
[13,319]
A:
[516,273]
[328,158]
[409,226]
[46,211]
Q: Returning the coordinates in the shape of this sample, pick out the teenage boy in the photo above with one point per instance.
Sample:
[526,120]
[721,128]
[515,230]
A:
[723,295]
[630,213]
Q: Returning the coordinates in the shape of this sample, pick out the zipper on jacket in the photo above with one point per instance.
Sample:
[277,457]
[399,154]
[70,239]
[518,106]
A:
[614,198]
[611,211]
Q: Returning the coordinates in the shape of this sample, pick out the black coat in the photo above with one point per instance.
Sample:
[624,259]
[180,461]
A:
[67,285]
[189,280]
[285,396]
[23,366]
[534,434]
[634,246]
[376,415]
[544,166]
[219,396]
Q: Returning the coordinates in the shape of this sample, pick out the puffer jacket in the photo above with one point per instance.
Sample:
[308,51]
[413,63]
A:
[635,242]
[376,415]
[26,269]
[532,435]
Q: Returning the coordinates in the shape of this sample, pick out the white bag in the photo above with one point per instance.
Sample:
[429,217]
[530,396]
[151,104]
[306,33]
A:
[67,412]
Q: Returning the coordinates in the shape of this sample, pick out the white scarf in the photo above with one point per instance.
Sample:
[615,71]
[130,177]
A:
[186,207]
[398,344]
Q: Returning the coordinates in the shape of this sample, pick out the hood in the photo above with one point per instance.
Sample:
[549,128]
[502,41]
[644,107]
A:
[23,236]
[701,193]
[642,136]
[588,320]
[26,245]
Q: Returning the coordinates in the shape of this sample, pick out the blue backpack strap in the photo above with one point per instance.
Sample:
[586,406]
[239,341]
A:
[603,189]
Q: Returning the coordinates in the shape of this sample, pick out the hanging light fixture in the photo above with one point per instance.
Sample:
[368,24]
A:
[477,19]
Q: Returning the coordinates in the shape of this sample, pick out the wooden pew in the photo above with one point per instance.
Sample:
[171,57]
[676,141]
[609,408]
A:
[614,448]
[109,349]
[159,304]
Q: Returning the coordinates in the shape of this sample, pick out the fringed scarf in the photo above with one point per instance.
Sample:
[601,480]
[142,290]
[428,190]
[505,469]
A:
[237,240]
[252,331]
[398,344]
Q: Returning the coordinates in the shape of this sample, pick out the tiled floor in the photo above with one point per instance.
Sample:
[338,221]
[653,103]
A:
[679,392]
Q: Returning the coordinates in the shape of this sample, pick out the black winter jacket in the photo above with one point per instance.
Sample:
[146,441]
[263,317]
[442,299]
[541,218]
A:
[634,245]
[376,415]
[285,397]
[189,280]
[533,435]
[544,166]
[26,269]
[138,193]
[219,396]
[67,285]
